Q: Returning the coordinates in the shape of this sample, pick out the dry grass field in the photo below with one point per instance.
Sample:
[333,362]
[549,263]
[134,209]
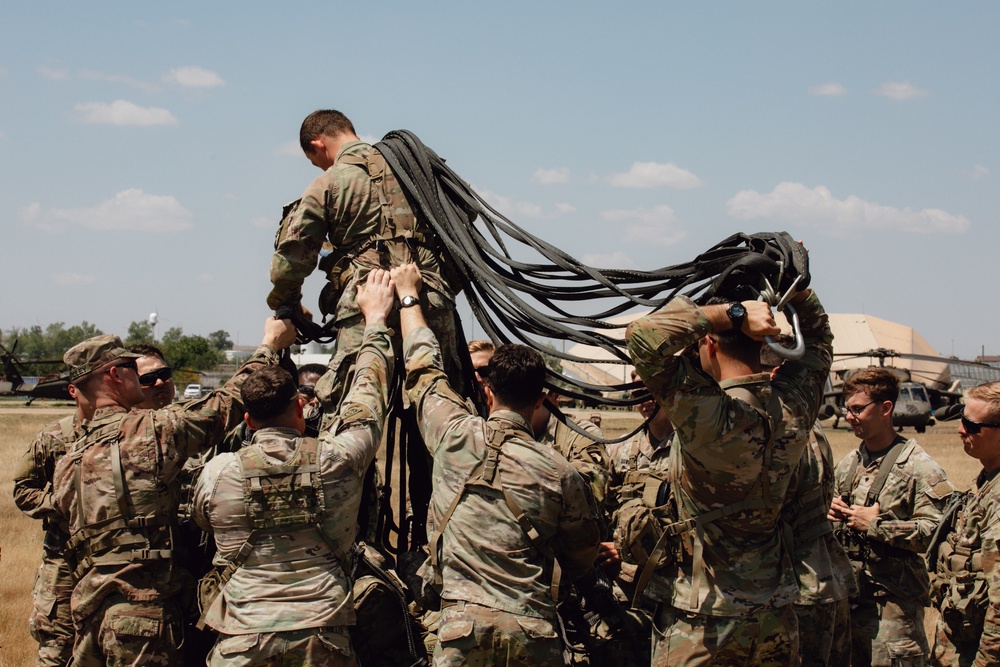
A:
[20,539]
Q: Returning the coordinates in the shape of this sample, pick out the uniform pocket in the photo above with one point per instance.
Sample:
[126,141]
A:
[235,644]
[455,629]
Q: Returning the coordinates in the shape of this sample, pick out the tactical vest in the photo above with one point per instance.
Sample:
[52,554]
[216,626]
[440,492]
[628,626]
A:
[806,513]
[277,498]
[138,525]
[485,478]
[759,497]
[399,238]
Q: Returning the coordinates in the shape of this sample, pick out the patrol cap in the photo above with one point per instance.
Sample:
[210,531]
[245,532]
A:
[93,353]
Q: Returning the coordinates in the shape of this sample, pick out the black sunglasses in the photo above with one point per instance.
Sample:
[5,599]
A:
[307,390]
[973,427]
[150,378]
[128,364]
[484,371]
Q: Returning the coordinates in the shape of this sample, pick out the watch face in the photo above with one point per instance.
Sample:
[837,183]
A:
[737,310]
[408,301]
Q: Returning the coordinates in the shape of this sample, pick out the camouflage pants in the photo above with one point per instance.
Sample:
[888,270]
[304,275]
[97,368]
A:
[51,624]
[124,633]
[824,633]
[766,638]
[331,387]
[888,631]
[949,653]
[314,647]
[478,636]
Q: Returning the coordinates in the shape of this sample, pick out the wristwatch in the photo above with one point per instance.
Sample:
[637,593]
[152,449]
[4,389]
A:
[408,301]
[737,313]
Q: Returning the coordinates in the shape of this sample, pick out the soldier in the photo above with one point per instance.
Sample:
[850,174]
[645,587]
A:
[725,587]
[155,377]
[51,623]
[967,579]
[497,566]
[822,568]
[284,510]
[119,491]
[481,351]
[356,205]
[889,495]
[309,375]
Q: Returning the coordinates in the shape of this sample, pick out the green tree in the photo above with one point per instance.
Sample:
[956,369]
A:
[189,353]
[37,344]
[139,332]
[220,340]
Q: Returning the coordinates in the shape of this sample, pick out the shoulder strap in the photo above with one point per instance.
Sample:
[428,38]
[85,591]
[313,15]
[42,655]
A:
[883,470]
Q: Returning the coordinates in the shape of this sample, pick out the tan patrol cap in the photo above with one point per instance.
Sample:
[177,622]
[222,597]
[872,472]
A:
[93,353]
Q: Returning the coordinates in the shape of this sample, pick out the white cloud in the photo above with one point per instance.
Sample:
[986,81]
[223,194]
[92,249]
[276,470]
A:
[367,138]
[94,75]
[551,176]
[655,175]
[54,74]
[817,207]
[69,279]
[522,209]
[900,91]
[129,210]
[829,89]
[657,225]
[194,77]
[979,171]
[289,148]
[122,112]
[615,260]
[263,222]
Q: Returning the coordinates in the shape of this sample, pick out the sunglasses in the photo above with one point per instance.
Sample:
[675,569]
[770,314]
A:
[973,427]
[150,378]
[307,390]
[483,371]
[128,364]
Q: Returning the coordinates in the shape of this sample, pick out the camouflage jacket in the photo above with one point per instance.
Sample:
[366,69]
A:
[636,453]
[969,570]
[342,206]
[586,455]
[152,446]
[718,459]
[33,478]
[295,579]
[821,565]
[486,557]
[910,506]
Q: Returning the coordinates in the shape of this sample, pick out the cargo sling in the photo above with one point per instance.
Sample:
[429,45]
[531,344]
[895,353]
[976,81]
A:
[757,498]
[486,475]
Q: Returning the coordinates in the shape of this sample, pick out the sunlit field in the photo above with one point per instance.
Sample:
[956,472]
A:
[20,539]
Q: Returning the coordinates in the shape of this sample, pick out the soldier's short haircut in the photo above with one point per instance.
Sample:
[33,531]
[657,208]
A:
[880,384]
[147,350]
[989,394]
[481,346]
[318,369]
[323,122]
[267,393]
[517,374]
[736,344]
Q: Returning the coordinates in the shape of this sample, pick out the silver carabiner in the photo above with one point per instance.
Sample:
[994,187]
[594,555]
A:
[781,304]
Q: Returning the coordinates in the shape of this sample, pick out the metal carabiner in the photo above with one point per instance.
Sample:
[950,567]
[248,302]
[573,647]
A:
[780,303]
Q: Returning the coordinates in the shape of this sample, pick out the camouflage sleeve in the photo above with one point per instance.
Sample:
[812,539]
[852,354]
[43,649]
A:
[362,413]
[184,429]
[203,494]
[299,240]
[440,409]
[911,506]
[699,408]
[32,493]
[801,383]
[989,642]
[579,532]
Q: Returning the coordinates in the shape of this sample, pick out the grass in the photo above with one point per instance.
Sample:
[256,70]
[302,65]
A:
[21,536]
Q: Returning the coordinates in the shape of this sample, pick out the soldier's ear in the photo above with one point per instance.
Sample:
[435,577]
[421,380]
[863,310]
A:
[246,418]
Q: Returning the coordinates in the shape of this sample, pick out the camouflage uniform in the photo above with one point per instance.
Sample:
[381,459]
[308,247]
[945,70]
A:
[51,623]
[343,206]
[887,616]
[119,489]
[824,572]
[634,454]
[586,455]
[726,596]
[967,581]
[497,606]
[297,579]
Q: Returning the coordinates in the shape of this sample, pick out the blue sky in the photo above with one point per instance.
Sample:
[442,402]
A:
[146,150]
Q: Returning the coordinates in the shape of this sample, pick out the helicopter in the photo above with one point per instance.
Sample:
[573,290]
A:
[925,388]
[52,385]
